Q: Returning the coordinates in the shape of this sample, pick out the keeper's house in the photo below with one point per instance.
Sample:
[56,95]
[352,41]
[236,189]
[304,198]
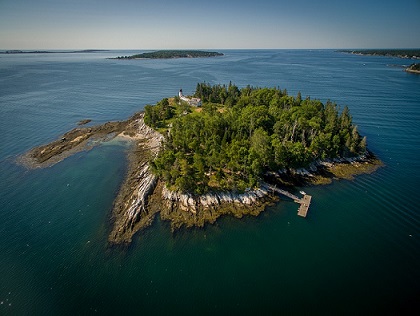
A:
[191,101]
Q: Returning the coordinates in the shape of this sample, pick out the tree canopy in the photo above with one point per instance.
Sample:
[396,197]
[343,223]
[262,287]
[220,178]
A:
[239,134]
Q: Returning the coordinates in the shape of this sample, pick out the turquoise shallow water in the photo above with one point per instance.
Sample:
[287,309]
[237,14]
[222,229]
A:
[357,252]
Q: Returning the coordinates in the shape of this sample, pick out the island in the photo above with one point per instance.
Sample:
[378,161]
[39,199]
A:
[168,54]
[413,68]
[400,53]
[229,154]
[17,51]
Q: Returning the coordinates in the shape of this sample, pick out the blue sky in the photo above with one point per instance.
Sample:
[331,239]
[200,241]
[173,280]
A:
[217,24]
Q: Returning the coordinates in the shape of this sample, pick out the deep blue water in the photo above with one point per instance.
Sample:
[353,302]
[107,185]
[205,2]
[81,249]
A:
[357,252]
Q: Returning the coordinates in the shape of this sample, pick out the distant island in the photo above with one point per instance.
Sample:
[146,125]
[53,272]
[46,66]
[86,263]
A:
[221,151]
[167,54]
[17,51]
[400,53]
[413,68]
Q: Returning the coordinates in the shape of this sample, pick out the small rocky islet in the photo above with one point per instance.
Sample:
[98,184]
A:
[414,68]
[145,192]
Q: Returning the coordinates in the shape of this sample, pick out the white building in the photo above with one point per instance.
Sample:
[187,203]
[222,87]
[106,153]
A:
[191,101]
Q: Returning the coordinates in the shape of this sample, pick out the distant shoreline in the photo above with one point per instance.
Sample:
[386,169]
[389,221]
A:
[17,51]
[399,53]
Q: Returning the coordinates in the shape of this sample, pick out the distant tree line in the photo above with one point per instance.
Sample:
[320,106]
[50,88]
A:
[166,54]
[239,134]
[402,53]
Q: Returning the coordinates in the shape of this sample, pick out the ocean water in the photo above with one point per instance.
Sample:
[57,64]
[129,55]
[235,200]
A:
[357,252]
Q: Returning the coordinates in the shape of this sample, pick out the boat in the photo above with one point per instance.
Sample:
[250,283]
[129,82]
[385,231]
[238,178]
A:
[302,192]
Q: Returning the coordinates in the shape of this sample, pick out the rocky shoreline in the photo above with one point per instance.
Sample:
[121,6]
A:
[142,195]
[132,210]
[189,210]
[324,172]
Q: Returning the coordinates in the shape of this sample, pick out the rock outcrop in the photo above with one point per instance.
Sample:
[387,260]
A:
[324,171]
[76,140]
[131,212]
[189,210]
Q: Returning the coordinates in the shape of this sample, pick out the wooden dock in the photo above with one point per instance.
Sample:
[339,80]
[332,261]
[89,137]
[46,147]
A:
[304,205]
[304,202]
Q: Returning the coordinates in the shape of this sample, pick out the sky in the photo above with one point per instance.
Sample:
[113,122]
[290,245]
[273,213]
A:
[210,24]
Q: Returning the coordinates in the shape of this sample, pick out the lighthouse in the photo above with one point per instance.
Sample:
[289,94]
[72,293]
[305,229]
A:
[190,101]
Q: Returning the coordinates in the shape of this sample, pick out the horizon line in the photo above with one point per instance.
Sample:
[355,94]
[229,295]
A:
[180,49]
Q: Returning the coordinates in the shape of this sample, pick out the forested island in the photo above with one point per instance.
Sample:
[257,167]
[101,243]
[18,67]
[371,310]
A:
[400,53]
[167,54]
[240,135]
[17,51]
[194,164]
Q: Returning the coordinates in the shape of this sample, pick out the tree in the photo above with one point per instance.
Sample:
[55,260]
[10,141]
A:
[331,117]
[345,119]
[279,152]
[150,117]
[363,145]
[298,98]
[261,146]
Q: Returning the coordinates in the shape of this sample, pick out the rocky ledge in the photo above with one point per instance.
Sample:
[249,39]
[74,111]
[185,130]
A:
[325,171]
[132,210]
[79,139]
[189,210]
